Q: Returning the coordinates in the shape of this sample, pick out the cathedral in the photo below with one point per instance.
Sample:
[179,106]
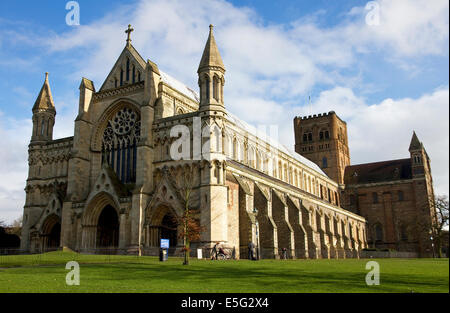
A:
[146,147]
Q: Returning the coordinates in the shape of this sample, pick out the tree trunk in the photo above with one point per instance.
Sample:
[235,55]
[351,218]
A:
[186,244]
[439,247]
[186,254]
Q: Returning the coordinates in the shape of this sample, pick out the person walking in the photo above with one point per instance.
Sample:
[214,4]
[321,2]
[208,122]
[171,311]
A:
[251,251]
[284,253]
[214,252]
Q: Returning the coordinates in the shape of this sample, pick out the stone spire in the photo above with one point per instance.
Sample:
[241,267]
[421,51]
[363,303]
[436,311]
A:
[211,55]
[211,77]
[44,101]
[415,143]
[43,115]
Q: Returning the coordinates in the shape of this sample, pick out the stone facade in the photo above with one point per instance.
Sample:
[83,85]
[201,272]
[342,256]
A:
[396,197]
[323,139]
[116,183]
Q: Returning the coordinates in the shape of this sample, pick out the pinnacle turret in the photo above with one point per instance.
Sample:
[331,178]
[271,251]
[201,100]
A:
[44,101]
[211,55]
[43,114]
[415,143]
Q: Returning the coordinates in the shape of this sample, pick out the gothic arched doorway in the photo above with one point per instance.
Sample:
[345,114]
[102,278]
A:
[108,228]
[51,233]
[162,224]
[169,229]
[54,237]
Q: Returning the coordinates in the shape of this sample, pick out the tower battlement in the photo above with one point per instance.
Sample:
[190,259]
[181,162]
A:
[307,117]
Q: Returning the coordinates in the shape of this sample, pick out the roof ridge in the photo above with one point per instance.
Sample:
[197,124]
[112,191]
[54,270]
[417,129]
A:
[378,162]
[173,82]
[276,144]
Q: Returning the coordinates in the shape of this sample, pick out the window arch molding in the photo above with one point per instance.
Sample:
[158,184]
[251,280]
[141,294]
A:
[216,87]
[308,136]
[119,143]
[378,232]
[324,134]
[108,114]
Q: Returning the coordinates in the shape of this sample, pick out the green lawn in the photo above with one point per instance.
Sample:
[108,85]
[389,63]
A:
[46,273]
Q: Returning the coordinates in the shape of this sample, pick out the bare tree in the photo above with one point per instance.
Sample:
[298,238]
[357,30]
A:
[190,225]
[441,221]
[15,228]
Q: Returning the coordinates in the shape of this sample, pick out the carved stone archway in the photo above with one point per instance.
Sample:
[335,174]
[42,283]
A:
[163,224]
[94,213]
[51,233]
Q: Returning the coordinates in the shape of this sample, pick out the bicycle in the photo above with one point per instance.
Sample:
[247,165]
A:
[223,256]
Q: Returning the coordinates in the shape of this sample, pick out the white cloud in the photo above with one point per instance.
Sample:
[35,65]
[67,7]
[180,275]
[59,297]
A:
[13,165]
[407,29]
[264,59]
[413,27]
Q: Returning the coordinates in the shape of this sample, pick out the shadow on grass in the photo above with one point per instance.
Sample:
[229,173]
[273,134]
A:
[132,274]
[220,278]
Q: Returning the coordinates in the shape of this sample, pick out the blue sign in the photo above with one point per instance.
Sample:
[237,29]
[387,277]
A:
[164,243]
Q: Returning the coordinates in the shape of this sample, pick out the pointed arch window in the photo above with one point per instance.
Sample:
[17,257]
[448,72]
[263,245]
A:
[259,162]
[207,82]
[235,149]
[378,233]
[128,70]
[417,159]
[119,146]
[216,88]
[324,162]
[134,74]
[403,232]
[375,197]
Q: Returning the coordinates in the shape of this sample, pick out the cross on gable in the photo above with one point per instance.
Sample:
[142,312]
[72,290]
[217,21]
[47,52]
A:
[128,32]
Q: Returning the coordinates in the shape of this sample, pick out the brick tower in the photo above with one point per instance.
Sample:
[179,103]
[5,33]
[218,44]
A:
[323,139]
[424,195]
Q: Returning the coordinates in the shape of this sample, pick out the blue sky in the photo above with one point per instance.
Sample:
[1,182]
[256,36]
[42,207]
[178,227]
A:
[47,19]
[384,80]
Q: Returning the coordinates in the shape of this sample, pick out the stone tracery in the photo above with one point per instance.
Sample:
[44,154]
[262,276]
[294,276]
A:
[119,144]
